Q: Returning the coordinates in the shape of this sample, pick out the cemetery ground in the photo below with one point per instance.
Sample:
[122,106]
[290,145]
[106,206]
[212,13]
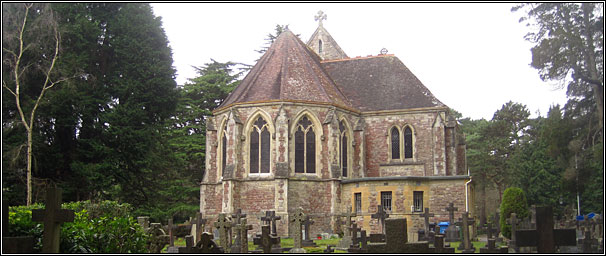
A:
[285,243]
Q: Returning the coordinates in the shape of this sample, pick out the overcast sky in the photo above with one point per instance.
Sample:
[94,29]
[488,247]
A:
[472,57]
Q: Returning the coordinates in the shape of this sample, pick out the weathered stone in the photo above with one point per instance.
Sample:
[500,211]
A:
[52,217]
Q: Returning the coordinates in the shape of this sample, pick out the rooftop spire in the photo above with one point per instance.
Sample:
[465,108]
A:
[321,16]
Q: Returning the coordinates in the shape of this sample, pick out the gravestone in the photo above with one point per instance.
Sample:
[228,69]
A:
[236,217]
[198,227]
[241,243]
[207,245]
[270,219]
[189,246]
[452,234]
[513,221]
[143,222]
[545,238]
[19,244]
[491,242]
[266,240]
[158,238]
[329,249]
[396,240]
[359,244]
[439,245]
[171,232]
[52,217]
[495,220]
[381,215]
[297,220]
[347,232]
[223,225]
[428,235]
[588,243]
[307,242]
[466,246]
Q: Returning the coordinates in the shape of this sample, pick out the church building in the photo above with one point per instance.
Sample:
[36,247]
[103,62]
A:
[314,128]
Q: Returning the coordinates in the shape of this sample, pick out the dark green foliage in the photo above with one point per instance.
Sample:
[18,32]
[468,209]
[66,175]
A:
[105,227]
[514,200]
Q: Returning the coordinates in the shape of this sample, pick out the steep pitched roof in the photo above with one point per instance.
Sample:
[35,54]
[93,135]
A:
[288,71]
[330,49]
[380,83]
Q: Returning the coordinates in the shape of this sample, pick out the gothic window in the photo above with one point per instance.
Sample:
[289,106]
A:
[358,202]
[344,157]
[319,46]
[395,143]
[259,147]
[417,201]
[407,142]
[386,200]
[305,147]
[223,150]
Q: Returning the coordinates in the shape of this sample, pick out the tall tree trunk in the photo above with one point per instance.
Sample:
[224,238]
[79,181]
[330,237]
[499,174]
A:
[29,165]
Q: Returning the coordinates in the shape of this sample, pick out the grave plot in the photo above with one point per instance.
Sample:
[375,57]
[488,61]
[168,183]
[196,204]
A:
[545,238]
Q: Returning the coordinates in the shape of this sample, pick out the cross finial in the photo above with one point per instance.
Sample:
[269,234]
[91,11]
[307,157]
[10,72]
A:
[321,16]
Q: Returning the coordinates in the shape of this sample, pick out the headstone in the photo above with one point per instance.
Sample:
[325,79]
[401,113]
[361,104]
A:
[496,219]
[223,225]
[266,241]
[207,245]
[513,221]
[144,222]
[270,219]
[236,217]
[198,227]
[241,243]
[307,241]
[297,220]
[52,217]
[158,238]
[452,234]
[467,246]
[396,240]
[346,240]
[359,243]
[189,246]
[329,249]
[426,216]
[439,245]
[545,238]
[381,215]
[171,232]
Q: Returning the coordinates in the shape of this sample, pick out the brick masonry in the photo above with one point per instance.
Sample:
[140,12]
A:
[322,194]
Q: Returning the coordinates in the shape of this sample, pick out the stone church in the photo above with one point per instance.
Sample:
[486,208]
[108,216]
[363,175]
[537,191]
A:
[314,128]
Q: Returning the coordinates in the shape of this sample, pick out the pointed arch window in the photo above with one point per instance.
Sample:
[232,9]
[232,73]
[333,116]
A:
[259,147]
[407,142]
[344,156]
[305,147]
[223,150]
[395,143]
[319,46]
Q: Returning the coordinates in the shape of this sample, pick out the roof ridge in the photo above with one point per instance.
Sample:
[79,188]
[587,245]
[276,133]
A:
[360,58]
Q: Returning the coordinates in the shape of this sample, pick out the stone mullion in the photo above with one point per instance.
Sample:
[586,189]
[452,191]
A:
[359,144]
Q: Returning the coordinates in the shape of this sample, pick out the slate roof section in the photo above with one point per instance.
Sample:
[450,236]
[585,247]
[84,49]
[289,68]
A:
[381,82]
[288,71]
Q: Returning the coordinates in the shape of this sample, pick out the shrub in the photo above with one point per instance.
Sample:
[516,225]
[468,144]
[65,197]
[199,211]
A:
[110,230]
[514,201]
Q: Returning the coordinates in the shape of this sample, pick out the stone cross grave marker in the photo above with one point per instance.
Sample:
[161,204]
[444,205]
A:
[307,237]
[496,219]
[355,247]
[491,242]
[189,246]
[452,235]
[513,221]
[241,244]
[329,249]
[52,217]
[490,230]
[466,221]
[544,237]
[270,219]
[171,232]
[266,240]
[346,240]
[297,220]
[236,217]
[381,215]
[197,227]
[426,216]
[223,225]
[439,245]
[207,245]
[158,238]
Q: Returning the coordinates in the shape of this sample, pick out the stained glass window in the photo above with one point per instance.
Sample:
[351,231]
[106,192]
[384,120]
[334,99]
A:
[407,142]
[395,143]
[259,147]
[344,156]
[305,147]
[224,151]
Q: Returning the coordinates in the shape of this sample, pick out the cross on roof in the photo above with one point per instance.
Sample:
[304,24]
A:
[52,217]
[319,17]
[381,215]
